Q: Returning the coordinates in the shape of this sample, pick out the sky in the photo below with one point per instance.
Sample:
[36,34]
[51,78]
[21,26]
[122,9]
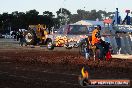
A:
[72,5]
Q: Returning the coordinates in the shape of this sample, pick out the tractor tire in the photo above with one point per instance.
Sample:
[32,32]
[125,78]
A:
[30,37]
[67,47]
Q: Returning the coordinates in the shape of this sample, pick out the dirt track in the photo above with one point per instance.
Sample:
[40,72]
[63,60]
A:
[25,67]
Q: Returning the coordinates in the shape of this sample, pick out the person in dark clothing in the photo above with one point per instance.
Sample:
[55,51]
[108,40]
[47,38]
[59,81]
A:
[18,35]
[14,34]
[21,36]
[105,46]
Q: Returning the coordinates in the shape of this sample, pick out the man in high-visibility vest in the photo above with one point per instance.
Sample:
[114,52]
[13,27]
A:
[96,40]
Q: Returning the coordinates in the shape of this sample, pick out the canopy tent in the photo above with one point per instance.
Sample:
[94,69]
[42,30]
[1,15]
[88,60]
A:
[90,22]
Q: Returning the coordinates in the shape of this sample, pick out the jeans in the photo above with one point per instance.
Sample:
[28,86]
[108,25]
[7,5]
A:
[21,41]
[100,46]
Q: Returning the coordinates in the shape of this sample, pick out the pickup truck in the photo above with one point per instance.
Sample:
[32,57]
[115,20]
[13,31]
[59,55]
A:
[68,36]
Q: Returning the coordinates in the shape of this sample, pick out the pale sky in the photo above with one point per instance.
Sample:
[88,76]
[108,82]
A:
[72,5]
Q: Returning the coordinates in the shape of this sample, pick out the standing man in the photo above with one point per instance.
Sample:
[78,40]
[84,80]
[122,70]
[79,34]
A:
[21,36]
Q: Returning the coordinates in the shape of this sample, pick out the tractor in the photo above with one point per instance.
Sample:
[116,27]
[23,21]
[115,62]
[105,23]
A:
[36,34]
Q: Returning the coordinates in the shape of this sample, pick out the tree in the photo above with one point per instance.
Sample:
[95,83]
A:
[31,17]
[15,20]
[48,13]
[63,15]
[74,18]
[5,21]
[90,15]
[83,14]
[56,23]
[32,12]
[105,14]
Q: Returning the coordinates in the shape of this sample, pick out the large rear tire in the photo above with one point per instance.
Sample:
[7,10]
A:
[30,37]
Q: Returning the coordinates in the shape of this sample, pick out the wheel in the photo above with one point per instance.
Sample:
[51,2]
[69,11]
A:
[30,37]
[50,45]
[67,46]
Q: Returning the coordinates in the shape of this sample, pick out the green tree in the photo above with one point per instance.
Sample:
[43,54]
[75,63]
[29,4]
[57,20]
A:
[48,13]
[90,15]
[32,12]
[5,21]
[63,15]
[31,17]
[105,14]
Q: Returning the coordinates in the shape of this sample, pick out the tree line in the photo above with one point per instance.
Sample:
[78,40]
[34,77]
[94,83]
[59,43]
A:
[20,20]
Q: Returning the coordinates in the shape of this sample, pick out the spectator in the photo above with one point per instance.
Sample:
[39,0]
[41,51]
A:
[21,36]
[14,35]
[18,35]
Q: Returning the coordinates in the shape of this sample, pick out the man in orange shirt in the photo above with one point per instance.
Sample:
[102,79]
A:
[96,40]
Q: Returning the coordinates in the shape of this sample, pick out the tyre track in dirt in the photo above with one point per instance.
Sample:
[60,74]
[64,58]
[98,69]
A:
[26,67]
[19,75]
